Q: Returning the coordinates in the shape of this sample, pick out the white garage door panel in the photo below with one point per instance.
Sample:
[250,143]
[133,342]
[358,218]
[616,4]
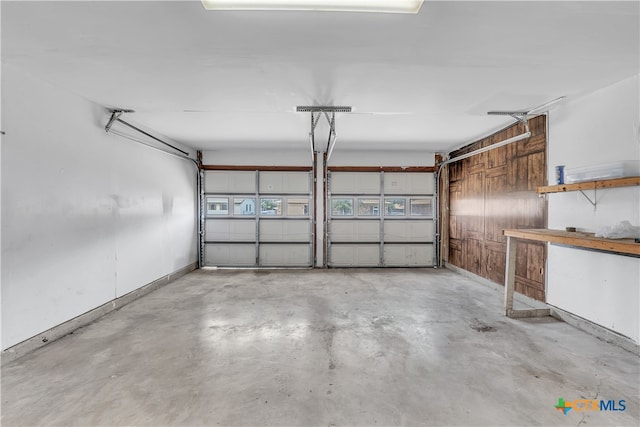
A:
[236,255]
[408,183]
[354,231]
[230,182]
[408,255]
[361,203]
[355,183]
[242,230]
[284,182]
[273,230]
[229,229]
[347,255]
[285,255]
[408,231]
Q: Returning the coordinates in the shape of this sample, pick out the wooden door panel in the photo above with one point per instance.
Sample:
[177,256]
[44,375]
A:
[536,144]
[536,170]
[455,252]
[495,264]
[497,157]
[473,254]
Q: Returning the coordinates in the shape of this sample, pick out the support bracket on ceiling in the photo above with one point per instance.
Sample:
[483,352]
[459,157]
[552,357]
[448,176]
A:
[115,117]
[323,109]
[523,115]
[520,116]
[329,112]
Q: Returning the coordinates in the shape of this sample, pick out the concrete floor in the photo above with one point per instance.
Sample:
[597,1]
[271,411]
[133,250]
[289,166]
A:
[321,348]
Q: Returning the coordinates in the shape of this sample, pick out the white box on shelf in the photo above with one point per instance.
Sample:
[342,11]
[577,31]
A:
[612,170]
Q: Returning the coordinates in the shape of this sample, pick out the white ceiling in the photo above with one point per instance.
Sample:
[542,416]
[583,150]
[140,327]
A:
[216,80]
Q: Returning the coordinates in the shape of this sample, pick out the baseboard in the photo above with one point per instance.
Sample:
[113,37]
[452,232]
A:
[59,331]
[577,322]
[596,330]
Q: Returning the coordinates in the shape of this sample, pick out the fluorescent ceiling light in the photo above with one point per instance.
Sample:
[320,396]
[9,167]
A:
[384,6]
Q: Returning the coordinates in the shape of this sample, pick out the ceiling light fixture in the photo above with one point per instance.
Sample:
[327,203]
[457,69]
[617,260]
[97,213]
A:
[381,6]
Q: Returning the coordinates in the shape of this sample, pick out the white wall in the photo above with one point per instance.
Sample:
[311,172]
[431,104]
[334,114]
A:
[597,128]
[300,157]
[381,158]
[294,157]
[86,216]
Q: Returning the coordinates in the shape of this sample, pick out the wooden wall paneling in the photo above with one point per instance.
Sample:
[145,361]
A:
[455,171]
[497,159]
[494,204]
[512,167]
[455,252]
[536,169]
[455,232]
[535,144]
[493,191]
[521,264]
[522,174]
[473,252]
[455,209]
[498,156]
[535,262]
[473,204]
[443,224]
[495,261]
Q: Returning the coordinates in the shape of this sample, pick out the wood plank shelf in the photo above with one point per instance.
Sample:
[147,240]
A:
[578,239]
[590,185]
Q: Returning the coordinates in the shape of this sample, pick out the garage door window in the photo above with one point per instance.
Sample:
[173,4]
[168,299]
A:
[368,207]
[342,207]
[394,207]
[421,207]
[271,207]
[244,206]
[297,207]
[217,206]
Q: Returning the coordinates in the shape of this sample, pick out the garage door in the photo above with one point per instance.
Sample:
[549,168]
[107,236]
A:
[258,219]
[380,219]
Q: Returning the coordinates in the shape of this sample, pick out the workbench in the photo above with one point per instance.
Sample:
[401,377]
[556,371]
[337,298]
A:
[574,239]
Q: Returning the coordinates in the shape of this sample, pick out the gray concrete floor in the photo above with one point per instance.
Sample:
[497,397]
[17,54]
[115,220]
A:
[319,348]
